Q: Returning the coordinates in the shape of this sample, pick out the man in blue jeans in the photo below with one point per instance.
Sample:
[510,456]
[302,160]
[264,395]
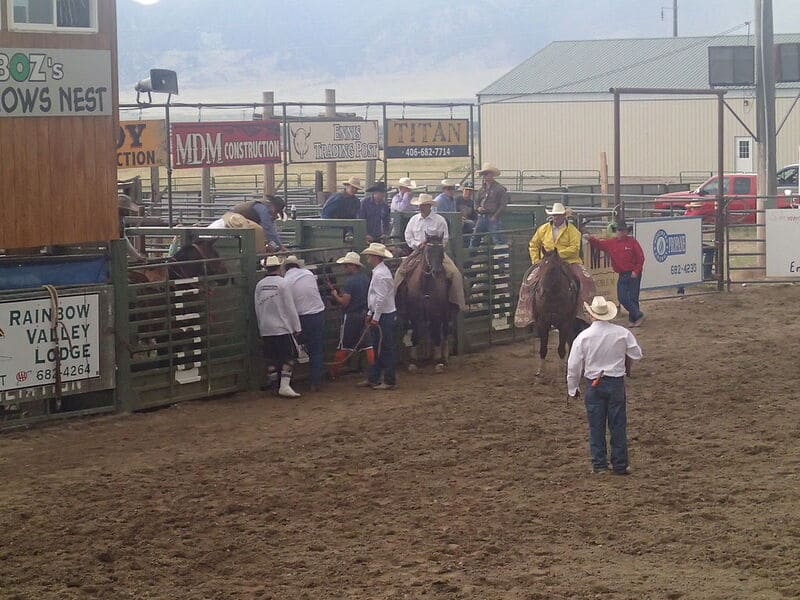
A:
[489,205]
[311,309]
[382,316]
[601,353]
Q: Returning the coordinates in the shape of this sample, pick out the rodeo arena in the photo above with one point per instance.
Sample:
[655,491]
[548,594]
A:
[523,347]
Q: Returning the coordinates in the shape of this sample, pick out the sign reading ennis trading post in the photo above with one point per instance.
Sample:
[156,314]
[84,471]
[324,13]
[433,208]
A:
[333,141]
[225,143]
[29,345]
[427,138]
[47,82]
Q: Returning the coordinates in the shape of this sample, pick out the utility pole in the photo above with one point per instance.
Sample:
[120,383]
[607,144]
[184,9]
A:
[765,102]
[330,111]
[674,18]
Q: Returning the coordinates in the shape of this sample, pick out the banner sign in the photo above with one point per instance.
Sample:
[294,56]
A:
[225,143]
[29,345]
[141,144]
[427,138]
[598,264]
[48,82]
[333,141]
[673,251]
[782,233]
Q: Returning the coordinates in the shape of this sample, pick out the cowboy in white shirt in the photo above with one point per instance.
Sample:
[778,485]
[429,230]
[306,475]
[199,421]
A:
[428,224]
[600,353]
[382,315]
[311,309]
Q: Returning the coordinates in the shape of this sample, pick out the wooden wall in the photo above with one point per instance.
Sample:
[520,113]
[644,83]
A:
[58,174]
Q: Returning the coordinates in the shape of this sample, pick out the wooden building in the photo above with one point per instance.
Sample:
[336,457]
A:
[58,121]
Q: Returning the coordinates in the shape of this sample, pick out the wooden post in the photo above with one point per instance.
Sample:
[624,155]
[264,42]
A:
[205,194]
[603,180]
[370,176]
[268,98]
[155,185]
[330,111]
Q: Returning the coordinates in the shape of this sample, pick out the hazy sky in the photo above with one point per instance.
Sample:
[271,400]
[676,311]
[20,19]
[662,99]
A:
[392,50]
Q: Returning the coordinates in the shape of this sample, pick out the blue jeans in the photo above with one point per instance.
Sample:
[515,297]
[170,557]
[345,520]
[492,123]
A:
[485,225]
[314,337]
[384,361]
[628,294]
[606,404]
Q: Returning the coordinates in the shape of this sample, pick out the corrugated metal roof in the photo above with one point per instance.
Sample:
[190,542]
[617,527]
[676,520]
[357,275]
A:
[591,66]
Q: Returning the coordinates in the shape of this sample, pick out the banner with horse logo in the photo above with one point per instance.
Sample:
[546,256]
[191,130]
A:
[333,141]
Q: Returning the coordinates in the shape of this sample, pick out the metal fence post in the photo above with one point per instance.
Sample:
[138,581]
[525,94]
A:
[123,396]
[249,269]
[459,257]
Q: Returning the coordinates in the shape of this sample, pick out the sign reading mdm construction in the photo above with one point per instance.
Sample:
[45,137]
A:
[50,82]
[225,143]
[427,138]
[333,141]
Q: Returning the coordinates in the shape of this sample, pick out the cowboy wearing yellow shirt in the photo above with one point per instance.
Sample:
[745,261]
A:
[561,235]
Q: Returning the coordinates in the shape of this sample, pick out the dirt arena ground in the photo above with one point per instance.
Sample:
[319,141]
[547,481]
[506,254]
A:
[472,484]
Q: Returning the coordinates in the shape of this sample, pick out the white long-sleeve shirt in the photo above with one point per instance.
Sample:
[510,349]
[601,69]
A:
[305,291]
[380,296]
[600,349]
[275,309]
[432,225]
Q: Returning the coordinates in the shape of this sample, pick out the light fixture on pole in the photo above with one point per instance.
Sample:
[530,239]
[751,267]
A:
[161,81]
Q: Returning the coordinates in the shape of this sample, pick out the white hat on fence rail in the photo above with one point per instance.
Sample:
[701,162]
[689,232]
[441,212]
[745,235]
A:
[351,258]
[601,309]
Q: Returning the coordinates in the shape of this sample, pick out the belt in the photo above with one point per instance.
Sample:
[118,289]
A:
[595,382]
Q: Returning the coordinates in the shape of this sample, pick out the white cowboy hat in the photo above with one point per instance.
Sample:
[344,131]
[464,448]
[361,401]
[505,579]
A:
[558,209]
[377,249]
[272,261]
[449,183]
[423,199]
[406,182]
[351,258]
[489,168]
[601,309]
[293,260]
[355,182]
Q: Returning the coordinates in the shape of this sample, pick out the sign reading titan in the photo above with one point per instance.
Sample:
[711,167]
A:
[225,143]
[427,138]
[47,82]
[333,141]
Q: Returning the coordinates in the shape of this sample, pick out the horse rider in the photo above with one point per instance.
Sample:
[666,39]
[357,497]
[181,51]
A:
[489,205]
[264,212]
[278,323]
[382,318]
[344,204]
[446,201]
[375,212]
[311,310]
[559,234]
[426,224]
[353,300]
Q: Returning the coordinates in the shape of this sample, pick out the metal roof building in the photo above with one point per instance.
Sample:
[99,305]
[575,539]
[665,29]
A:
[554,110]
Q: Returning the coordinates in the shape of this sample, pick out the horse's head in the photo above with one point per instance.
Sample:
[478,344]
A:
[434,253]
[201,249]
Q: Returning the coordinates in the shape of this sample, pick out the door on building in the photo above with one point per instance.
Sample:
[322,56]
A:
[743,154]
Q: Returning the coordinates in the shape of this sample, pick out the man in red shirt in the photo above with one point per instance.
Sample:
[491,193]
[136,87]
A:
[627,259]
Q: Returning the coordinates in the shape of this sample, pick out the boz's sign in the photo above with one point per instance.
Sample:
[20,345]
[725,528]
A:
[47,82]
[427,138]
[328,141]
[225,144]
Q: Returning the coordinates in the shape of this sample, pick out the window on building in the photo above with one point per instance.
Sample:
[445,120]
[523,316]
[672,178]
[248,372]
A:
[744,148]
[69,16]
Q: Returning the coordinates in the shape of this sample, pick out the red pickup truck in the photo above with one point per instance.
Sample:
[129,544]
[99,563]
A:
[702,201]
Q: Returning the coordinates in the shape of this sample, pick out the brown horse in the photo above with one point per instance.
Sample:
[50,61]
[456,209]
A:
[555,304]
[423,300]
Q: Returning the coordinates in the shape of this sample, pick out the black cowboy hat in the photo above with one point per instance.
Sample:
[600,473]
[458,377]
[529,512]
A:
[378,187]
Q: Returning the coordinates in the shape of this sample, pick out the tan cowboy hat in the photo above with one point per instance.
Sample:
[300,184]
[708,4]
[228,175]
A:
[423,199]
[233,220]
[601,309]
[272,261]
[452,183]
[355,182]
[558,209]
[406,182]
[351,258]
[377,249]
[489,168]
[293,260]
